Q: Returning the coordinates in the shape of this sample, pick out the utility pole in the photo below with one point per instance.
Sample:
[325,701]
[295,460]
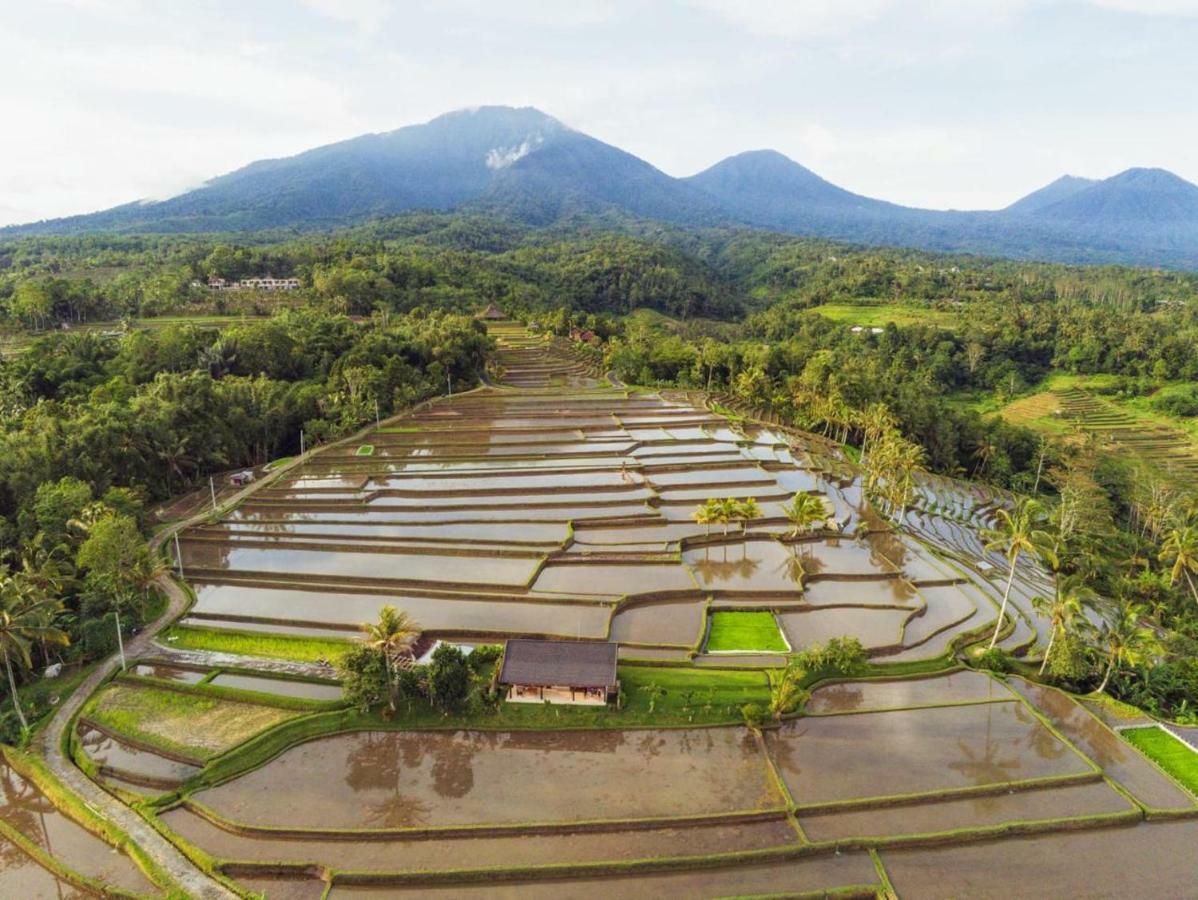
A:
[377,423]
[212,491]
[449,381]
[178,556]
[301,442]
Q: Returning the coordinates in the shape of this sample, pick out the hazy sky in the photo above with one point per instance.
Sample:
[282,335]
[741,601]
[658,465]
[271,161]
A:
[943,103]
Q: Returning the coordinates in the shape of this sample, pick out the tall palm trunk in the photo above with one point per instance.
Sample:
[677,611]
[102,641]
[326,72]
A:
[12,686]
[1048,651]
[1190,582]
[120,643]
[1107,677]
[1002,610]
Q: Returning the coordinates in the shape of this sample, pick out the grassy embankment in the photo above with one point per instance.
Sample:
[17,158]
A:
[256,643]
[1169,752]
[752,631]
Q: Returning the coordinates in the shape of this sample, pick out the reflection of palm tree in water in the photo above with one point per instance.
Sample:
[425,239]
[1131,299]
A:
[377,763]
[1040,739]
[985,768]
[21,801]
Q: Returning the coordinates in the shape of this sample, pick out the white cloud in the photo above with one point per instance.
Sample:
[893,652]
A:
[796,18]
[367,16]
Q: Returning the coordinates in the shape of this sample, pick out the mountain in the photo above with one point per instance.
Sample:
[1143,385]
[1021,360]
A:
[517,161]
[522,165]
[1148,196]
[1065,186]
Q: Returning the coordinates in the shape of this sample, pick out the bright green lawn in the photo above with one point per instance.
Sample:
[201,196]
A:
[745,631]
[1168,752]
[877,315]
[252,643]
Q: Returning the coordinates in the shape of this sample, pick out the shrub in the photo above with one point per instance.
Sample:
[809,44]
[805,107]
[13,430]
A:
[840,656]
[483,656]
[995,659]
[1181,400]
[363,677]
[448,679]
[754,715]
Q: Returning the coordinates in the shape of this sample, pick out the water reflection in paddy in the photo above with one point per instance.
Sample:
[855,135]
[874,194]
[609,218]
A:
[957,687]
[433,613]
[612,580]
[874,628]
[108,751]
[26,809]
[673,622]
[908,751]
[479,852]
[457,778]
[392,565]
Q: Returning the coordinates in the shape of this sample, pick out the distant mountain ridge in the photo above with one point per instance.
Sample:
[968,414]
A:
[521,164]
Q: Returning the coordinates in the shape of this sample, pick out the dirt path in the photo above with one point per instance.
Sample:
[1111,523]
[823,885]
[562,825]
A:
[191,879]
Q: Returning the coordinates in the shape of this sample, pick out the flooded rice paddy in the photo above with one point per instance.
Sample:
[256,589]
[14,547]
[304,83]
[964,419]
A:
[850,757]
[579,492]
[24,807]
[403,780]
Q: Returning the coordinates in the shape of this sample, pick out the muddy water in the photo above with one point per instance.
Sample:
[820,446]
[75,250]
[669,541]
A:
[21,877]
[108,751]
[316,631]
[433,614]
[1154,859]
[872,627]
[1062,802]
[284,687]
[377,780]
[770,566]
[169,673]
[415,567]
[958,687]
[24,807]
[517,850]
[946,606]
[470,531]
[676,622]
[285,888]
[909,751]
[882,592]
[613,579]
[786,878]
[1118,759]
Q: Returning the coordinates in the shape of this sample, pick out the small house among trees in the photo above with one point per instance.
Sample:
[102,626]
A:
[578,672]
[492,313]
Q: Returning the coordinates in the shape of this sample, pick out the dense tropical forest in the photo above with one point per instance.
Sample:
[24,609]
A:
[125,380]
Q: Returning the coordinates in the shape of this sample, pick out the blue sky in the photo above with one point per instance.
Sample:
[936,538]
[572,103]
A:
[944,103]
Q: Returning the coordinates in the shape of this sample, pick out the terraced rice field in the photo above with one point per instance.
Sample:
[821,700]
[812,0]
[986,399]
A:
[1168,447]
[553,503]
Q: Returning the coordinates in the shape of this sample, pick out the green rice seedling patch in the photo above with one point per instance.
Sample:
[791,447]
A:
[366,450]
[752,631]
[255,643]
[194,725]
[1167,751]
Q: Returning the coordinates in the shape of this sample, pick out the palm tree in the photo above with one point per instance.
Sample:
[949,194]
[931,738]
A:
[727,511]
[25,616]
[1181,547]
[786,694]
[706,514]
[1063,611]
[394,633]
[1018,532]
[1126,640]
[747,511]
[805,512]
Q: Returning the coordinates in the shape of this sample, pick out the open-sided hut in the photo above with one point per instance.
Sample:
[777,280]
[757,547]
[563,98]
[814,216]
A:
[492,313]
[581,672]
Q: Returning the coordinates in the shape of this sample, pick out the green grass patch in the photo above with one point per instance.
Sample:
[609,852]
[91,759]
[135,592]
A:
[752,631]
[877,315]
[366,450]
[1168,752]
[255,643]
[278,463]
[399,429]
[188,723]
